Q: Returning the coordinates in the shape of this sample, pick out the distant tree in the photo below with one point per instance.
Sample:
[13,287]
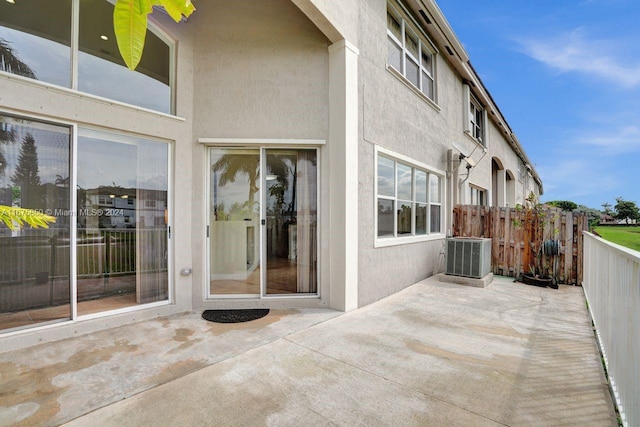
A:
[62,181]
[607,208]
[593,215]
[626,210]
[565,205]
[27,174]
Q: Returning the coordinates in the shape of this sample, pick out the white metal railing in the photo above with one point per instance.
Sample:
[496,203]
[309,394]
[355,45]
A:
[612,287]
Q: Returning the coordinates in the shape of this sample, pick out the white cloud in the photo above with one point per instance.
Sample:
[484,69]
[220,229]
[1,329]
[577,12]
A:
[612,141]
[565,178]
[574,52]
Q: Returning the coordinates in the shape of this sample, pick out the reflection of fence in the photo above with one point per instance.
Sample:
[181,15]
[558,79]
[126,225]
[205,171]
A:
[100,252]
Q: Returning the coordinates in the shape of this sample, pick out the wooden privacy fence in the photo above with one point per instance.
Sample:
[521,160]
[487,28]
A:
[513,236]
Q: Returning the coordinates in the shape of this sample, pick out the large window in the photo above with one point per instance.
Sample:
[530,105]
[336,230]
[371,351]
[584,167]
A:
[120,247]
[36,41]
[35,279]
[409,199]
[409,53]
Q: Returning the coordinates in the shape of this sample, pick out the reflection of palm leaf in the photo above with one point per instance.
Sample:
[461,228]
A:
[230,166]
[15,218]
[11,63]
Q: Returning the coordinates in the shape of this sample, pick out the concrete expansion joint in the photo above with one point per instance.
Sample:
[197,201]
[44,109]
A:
[406,387]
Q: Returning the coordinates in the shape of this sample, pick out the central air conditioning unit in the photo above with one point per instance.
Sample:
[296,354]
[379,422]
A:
[468,257]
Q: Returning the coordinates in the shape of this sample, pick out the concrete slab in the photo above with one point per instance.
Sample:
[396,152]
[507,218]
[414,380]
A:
[433,354]
[466,281]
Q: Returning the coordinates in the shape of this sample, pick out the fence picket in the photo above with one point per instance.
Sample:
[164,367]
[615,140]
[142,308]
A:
[511,253]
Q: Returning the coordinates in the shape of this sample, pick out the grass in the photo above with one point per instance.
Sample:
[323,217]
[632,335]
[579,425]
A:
[627,236]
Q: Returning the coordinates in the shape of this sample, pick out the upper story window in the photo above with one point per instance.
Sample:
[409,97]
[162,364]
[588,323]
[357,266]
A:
[37,41]
[476,120]
[408,199]
[475,117]
[478,196]
[409,53]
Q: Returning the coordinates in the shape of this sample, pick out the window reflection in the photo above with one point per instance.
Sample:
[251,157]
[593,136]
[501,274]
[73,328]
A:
[35,40]
[102,72]
[122,222]
[34,263]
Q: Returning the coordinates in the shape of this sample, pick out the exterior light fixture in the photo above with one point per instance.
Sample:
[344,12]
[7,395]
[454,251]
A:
[113,196]
[103,37]
[11,1]
[124,196]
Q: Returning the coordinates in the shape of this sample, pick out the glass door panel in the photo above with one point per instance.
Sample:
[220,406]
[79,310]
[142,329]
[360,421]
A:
[34,262]
[234,223]
[122,243]
[291,221]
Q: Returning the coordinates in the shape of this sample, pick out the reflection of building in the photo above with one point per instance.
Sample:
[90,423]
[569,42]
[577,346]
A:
[333,140]
[116,207]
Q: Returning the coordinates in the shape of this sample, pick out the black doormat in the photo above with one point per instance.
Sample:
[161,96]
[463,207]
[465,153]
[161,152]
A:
[234,316]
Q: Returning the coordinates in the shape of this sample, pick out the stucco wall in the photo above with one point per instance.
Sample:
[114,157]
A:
[261,71]
[394,117]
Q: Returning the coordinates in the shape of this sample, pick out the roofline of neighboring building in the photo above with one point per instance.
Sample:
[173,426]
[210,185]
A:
[453,50]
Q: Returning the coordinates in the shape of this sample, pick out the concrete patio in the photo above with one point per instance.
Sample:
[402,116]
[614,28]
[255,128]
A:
[433,354]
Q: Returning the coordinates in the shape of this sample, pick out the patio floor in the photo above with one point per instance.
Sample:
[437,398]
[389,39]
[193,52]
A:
[433,354]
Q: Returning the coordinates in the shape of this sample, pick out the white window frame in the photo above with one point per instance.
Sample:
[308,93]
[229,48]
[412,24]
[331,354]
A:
[401,239]
[424,45]
[263,144]
[73,77]
[476,194]
[475,118]
[76,130]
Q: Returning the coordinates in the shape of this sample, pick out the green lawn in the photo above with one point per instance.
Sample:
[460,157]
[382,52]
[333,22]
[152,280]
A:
[625,236]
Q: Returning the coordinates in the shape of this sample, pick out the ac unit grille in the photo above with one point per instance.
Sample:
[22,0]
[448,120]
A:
[468,257]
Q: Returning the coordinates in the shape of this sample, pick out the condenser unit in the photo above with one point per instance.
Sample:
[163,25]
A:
[468,257]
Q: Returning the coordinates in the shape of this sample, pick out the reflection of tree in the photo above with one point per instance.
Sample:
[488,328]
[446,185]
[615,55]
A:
[230,166]
[11,62]
[27,174]
[61,181]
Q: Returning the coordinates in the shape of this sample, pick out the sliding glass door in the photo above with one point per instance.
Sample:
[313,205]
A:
[35,274]
[265,220]
[122,242]
[118,256]
[234,222]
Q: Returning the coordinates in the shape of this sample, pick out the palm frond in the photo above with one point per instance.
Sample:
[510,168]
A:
[11,63]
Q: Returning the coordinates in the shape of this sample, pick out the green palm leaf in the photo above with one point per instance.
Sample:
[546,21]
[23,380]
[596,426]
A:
[177,8]
[130,27]
[130,24]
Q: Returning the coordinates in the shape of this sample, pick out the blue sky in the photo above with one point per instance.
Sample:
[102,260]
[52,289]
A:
[566,75]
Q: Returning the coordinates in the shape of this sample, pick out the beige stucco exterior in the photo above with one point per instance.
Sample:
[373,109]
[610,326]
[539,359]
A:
[297,73]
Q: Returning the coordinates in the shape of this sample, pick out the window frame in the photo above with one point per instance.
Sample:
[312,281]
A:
[76,130]
[475,118]
[408,26]
[153,26]
[479,193]
[398,238]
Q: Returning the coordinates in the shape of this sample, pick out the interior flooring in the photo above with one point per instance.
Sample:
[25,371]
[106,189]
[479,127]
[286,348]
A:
[282,278]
